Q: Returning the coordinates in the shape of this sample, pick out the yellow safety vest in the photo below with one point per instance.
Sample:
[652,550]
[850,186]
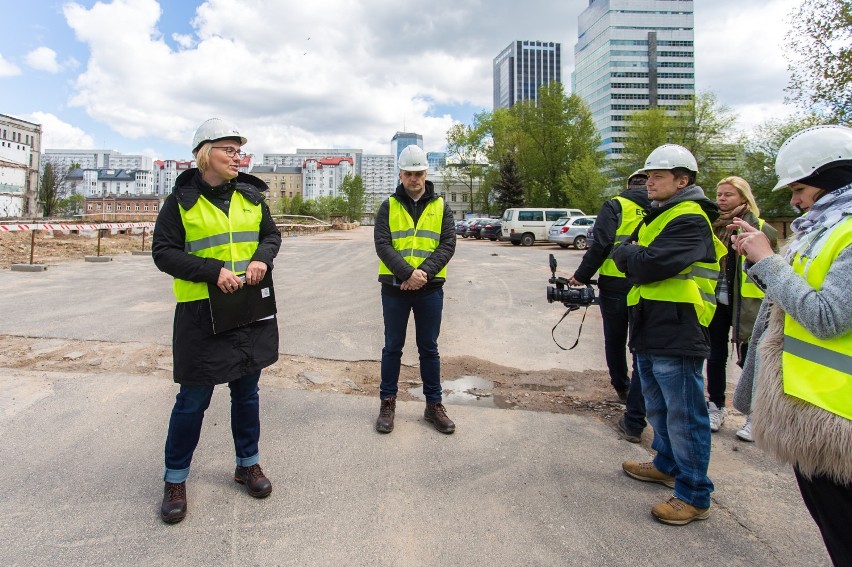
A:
[415,244]
[819,371]
[631,215]
[210,233]
[747,286]
[695,284]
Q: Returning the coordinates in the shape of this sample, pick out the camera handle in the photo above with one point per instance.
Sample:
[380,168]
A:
[577,341]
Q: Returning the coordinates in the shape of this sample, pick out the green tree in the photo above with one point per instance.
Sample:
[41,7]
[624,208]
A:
[820,39]
[645,130]
[760,151]
[466,154]
[48,191]
[352,189]
[71,205]
[552,138]
[509,187]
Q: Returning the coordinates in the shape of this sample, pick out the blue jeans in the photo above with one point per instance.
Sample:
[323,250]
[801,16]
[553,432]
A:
[674,400]
[427,310]
[188,415]
[615,319]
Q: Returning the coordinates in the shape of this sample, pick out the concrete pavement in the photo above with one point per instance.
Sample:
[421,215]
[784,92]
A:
[82,452]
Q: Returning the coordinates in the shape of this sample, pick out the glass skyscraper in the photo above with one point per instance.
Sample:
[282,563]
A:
[522,67]
[631,55]
[398,143]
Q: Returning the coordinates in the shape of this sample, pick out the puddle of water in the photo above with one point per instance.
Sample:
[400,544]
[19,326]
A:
[467,390]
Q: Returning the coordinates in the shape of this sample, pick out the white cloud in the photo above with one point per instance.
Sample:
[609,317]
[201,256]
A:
[43,59]
[57,134]
[7,68]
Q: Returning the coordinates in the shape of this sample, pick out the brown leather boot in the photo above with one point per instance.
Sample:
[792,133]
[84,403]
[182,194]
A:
[173,508]
[384,424]
[436,414]
[256,482]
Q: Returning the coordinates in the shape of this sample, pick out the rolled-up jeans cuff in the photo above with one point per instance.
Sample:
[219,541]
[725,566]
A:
[248,461]
[176,476]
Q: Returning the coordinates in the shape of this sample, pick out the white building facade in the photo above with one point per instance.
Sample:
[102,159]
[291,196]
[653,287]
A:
[166,173]
[17,136]
[102,182]
[322,177]
[631,55]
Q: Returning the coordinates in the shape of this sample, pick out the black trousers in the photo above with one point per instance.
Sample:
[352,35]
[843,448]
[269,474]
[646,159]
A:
[830,505]
[615,317]
[720,339]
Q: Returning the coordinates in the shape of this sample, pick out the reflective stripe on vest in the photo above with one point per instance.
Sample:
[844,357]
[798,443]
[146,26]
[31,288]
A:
[415,244]
[696,284]
[747,286]
[631,215]
[210,233]
[819,371]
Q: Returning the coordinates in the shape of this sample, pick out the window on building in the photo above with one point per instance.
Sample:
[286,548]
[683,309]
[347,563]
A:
[452,197]
[109,208]
[146,207]
[464,197]
[127,208]
[89,207]
[137,207]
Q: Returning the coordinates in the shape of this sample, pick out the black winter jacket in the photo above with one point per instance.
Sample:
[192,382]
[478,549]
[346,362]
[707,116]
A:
[662,327]
[200,357]
[436,261]
[603,237]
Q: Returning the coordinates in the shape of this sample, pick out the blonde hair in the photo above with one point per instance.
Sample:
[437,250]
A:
[202,156]
[744,189]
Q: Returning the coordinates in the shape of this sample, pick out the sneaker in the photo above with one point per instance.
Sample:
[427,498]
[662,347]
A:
[676,512]
[744,434]
[647,472]
[625,434]
[384,423]
[436,414]
[256,482]
[717,416]
[173,508]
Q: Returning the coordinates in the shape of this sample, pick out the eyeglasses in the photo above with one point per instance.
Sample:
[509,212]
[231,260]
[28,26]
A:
[231,152]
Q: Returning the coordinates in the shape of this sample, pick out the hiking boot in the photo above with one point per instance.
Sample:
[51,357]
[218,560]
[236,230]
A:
[647,472]
[256,482]
[744,434]
[676,512]
[717,416]
[384,424]
[625,434]
[436,414]
[173,508]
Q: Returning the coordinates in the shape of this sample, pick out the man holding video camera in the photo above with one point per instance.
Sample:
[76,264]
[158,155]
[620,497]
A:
[672,260]
[616,221]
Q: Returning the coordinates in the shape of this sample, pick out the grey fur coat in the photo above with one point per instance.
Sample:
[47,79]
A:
[816,441]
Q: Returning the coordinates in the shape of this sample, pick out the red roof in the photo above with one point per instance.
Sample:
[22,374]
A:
[330,161]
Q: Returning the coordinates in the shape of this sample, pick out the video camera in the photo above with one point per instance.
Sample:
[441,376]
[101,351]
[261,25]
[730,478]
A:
[570,297]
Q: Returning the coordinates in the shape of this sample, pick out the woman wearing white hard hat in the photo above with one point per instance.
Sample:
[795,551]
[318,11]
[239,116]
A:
[797,379]
[215,230]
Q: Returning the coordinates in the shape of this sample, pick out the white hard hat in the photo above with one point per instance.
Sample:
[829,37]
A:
[636,173]
[670,156]
[215,129]
[413,158]
[806,152]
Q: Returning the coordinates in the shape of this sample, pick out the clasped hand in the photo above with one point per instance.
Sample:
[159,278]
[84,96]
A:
[417,280]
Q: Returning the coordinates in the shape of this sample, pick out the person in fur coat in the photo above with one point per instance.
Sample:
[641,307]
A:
[797,380]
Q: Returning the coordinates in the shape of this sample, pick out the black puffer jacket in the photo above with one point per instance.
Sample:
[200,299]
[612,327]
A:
[662,327]
[603,237]
[436,261]
[200,357]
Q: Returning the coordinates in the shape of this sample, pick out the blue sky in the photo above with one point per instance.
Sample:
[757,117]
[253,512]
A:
[139,75]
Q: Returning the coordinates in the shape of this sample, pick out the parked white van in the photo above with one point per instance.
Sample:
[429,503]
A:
[526,225]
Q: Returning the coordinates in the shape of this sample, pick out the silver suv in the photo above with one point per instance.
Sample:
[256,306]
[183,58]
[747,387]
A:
[571,231]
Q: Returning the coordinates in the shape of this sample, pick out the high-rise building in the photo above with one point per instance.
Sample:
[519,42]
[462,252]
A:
[631,55]
[522,68]
[399,142]
[18,135]
[98,159]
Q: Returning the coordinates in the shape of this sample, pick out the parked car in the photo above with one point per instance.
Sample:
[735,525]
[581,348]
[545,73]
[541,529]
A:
[492,230]
[461,227]
[528,224]
[468,228]
[571,231]
[474,229]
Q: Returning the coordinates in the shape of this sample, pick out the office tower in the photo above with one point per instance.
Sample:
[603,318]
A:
[524,66]
[399,141]
[631,55]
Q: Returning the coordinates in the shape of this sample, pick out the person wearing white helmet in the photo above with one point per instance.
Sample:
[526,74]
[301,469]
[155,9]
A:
[797,378]
[215,230]
[415,239]
[672,262]
[616,220]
